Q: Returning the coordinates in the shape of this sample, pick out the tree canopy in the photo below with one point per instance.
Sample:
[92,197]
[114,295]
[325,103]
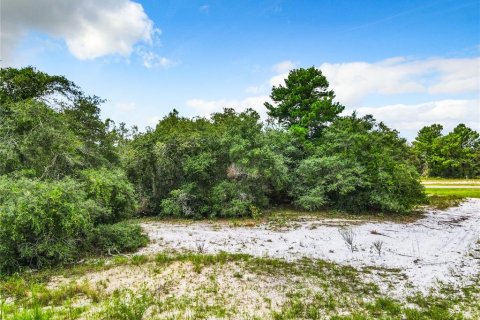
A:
[49,127]
[305,104]
[455,155]
[61,188]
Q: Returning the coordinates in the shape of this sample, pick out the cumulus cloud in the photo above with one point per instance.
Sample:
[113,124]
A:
[409,118]
[355,81]
[90,28]
[281,69]
[284,66]
[152,60]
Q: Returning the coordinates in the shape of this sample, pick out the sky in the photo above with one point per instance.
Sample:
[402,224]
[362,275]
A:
[408,63]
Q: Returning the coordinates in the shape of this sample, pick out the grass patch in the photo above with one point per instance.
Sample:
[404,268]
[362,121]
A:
[454,192]
[444,201]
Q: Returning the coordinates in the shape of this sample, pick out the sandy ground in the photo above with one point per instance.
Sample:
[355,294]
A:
[442,246]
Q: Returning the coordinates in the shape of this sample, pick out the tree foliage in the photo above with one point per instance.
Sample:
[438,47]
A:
[49,128]
[359,165]
[59,176]
[42,223]
[305,104]
[221,166]
[455,155]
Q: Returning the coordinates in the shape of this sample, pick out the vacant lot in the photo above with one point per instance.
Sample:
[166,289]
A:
[297,268]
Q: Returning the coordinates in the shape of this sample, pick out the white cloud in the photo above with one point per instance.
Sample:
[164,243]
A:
[282,69]
[152,60]
[90,28]
[284,66]
[278,79]
[153,121]
[408,119]
[354,81]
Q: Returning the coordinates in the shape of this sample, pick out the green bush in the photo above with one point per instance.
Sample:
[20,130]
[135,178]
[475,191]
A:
[45,223]
[358,165]
[116,238]
[42,223]
[111,189]
[206,167]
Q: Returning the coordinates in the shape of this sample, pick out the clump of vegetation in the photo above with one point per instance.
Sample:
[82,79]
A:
[378,246]
[117,238]
[47,223]
[454,155]
[42,223]
[111,189]
[358,165]
[60,179]
[349,237]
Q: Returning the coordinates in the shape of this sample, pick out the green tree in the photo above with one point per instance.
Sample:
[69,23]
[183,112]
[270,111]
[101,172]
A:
[305,104]
[49,128]
[28,83]
[424,146]
[455,155]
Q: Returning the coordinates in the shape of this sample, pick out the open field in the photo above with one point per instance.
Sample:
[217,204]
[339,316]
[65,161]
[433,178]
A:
[453,187]
[460,192]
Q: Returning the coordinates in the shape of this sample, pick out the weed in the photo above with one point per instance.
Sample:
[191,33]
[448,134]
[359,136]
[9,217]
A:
[378,245]
[349,237]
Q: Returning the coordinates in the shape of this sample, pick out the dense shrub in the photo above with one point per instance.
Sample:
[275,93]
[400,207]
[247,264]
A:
[66,176]
[111,189]
[42,223]
[116,238]
[199,167]
[358,165]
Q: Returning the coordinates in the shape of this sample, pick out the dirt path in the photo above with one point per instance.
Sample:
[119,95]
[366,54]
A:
[444,245]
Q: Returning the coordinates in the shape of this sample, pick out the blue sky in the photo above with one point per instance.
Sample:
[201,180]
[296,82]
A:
[409,63]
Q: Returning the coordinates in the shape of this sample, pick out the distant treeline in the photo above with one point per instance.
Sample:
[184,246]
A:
[68,179]
[455,155]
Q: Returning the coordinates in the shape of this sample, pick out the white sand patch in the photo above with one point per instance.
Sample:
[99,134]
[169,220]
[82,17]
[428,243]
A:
[439,247]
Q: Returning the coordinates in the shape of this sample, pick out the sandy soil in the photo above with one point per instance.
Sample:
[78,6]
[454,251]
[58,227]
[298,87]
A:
[442,246]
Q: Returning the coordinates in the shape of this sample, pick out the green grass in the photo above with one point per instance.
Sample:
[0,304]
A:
[454,192]
[452,180]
